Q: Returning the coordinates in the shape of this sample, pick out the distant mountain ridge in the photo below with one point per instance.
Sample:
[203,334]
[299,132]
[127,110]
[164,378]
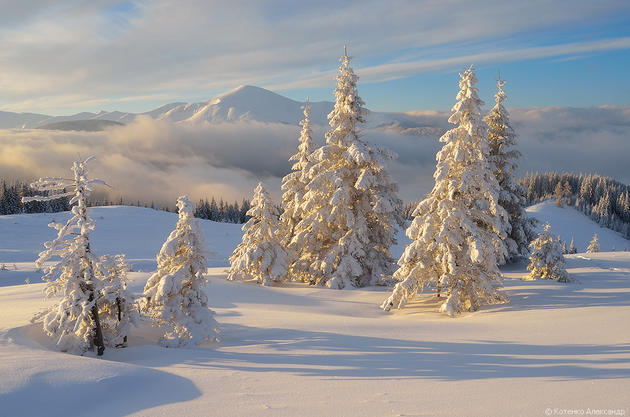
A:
[90,125]
[244,103]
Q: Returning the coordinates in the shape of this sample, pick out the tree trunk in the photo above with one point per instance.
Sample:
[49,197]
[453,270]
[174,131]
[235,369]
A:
[118,305]
[98,332]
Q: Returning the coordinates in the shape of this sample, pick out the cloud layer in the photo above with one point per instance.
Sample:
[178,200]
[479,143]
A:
[157,161]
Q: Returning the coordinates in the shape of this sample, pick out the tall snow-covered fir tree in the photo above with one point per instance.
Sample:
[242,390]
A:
[593,245]
[174,298]
[458,229]
[385,214]
[294,186]
[350,207]
[261,254]
[73,322]
[546,258]
[512,197]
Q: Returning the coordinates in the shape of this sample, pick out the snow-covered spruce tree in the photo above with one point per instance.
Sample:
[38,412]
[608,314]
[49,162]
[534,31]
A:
[512,196]
[559,194]
[116,307]
[350,206]
[386,212]
[74,320]
[294,186]
[572,248]
[593,245]
[174,298]
[459,228]
[261,254]
[546,258]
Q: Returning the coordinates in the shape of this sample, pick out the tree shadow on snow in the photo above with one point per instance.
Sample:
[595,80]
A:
[590,289]
[71,385]
[334,355]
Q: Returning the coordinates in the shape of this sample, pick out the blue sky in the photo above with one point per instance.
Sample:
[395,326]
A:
[583,81]
[60,57]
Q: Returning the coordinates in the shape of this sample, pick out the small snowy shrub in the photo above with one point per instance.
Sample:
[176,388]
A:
[593,245]
[116,306]
[546,258]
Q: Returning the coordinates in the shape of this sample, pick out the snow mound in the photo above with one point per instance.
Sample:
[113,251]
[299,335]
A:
[39,382]
[568,223]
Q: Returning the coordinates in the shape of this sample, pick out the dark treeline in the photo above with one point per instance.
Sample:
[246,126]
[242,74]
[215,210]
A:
[11,203]
[11,200]
[605,200]
[222,211]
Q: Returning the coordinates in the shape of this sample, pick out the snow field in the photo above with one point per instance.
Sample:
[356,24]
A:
[300,350]
[294,350]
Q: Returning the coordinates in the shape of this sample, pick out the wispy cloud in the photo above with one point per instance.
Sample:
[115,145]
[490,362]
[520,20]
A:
[61,54]
[396,70]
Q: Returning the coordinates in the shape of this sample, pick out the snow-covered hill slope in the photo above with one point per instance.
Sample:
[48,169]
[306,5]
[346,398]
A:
[569,224]
[135,231]
[294,350]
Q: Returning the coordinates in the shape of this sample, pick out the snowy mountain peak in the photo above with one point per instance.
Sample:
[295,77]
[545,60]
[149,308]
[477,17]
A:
[244,94]
[248,90]
[243,103]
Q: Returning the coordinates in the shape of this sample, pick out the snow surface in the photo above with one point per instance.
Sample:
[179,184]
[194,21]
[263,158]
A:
[294,350]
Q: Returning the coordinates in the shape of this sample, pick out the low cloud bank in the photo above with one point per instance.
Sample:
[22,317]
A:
[151,160]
